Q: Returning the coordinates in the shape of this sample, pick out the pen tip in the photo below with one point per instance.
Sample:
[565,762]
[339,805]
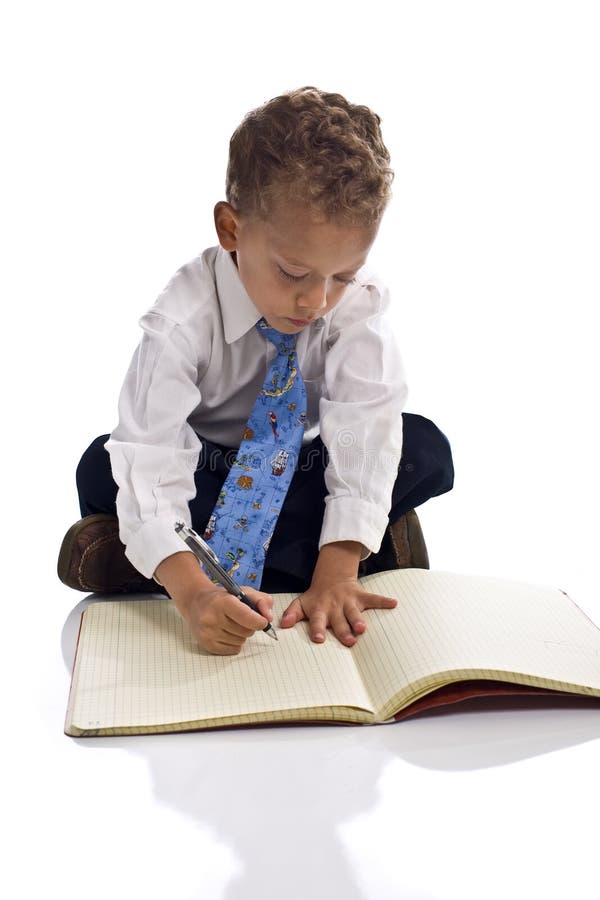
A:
[272,633]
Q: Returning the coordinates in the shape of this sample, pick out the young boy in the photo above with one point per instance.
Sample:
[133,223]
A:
[308,181]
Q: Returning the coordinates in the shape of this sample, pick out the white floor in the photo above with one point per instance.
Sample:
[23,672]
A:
[492,800]
[118,121]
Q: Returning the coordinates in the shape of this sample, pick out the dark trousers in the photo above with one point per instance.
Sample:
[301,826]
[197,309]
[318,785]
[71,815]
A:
[426,470]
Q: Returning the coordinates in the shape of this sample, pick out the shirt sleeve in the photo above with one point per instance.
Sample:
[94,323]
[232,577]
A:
[361,419]
[153,450]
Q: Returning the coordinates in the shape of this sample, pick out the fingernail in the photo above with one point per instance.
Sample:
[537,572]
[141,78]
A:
[318,636]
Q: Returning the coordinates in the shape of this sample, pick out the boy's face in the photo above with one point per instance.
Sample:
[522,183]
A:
[293,268]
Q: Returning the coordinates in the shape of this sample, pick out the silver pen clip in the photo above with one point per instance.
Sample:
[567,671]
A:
[187,532]
[209,559]
[207,556]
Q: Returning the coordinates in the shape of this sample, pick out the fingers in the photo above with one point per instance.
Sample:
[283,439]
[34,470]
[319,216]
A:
[294,613]
[351,623]
[222,649]
[346,621]
[227,622]
[378,601]
[263,601]
[242,614]
[341,627]
[317,620]
[317,625]
[231,628]
[239,622]
[243,625]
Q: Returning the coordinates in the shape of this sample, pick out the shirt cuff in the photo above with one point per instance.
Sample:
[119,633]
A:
[353,519]
[152,543]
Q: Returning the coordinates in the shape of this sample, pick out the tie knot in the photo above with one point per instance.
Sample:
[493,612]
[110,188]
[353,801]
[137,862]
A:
[283,342]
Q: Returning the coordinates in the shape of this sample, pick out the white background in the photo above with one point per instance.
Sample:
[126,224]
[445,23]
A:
[116,120]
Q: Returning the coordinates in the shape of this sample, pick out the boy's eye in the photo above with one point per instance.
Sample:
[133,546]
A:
[300,277]
[291,277]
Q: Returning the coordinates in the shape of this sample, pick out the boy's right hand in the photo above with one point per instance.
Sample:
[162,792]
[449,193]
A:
[220,622]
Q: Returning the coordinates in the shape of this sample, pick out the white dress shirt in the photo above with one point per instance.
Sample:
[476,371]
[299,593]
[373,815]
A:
[199,368]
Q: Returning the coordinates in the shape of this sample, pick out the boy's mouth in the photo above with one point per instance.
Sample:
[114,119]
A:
[299,322]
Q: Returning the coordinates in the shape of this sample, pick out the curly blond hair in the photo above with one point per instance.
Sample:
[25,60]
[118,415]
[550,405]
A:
[314,148]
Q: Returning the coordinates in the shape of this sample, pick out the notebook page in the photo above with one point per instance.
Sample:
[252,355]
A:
[137,664]
[469,625]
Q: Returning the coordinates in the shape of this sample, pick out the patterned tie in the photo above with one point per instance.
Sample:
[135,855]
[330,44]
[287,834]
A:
[243,520]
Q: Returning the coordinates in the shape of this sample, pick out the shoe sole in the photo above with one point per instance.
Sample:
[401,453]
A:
[419,558]
[416,540]
[65,554]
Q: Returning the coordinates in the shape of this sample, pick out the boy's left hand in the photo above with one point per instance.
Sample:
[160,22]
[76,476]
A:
[338,603]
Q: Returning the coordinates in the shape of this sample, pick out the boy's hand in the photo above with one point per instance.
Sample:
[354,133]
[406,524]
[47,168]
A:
[337,602]
[220,622]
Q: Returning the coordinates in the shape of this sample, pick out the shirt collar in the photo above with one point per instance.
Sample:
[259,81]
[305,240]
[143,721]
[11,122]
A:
[237,309]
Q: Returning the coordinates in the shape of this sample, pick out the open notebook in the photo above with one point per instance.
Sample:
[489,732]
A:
[138,670]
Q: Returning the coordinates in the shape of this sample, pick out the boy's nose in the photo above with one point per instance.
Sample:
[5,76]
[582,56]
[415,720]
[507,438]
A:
[313,300]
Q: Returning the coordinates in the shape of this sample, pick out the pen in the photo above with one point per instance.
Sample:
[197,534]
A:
[209,558]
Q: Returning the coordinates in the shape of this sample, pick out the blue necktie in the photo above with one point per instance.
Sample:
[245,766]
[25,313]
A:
[244,518]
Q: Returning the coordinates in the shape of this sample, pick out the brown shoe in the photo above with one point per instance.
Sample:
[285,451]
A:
[408,542]
[402,547]
[92,558]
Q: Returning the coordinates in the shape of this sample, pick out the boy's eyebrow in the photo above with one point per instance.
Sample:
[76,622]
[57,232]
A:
[301,265]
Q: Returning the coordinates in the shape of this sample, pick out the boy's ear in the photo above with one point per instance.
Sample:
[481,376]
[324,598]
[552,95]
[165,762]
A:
[227,225]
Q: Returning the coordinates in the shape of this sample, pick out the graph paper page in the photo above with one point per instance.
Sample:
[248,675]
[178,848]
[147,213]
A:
[445,622]
[137,663]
